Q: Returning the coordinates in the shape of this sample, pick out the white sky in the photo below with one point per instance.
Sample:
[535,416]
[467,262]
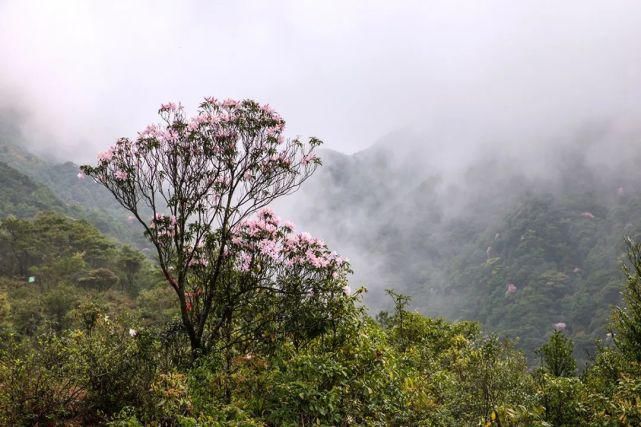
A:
[345,71]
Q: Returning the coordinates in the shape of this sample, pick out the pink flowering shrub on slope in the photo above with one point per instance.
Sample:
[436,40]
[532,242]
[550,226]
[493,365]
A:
[200,186]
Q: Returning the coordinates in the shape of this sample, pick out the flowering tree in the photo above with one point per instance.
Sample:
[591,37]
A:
[200,187]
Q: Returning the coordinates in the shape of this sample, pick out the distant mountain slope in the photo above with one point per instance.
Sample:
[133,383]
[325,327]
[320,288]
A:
[22,197]
[80,198]
[456,242]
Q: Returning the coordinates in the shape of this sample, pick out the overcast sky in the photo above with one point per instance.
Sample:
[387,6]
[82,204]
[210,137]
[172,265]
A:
[347,72]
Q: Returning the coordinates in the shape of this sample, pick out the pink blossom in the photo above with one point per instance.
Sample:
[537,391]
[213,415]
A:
[230,103]
[151,131]
[105,156]
[170,136]
[305,237]
[81,175]
[308,158]
[211,100]
[198,261]
[268,248]
[245,262]
[510,289]
[315,260]
[266,214]
[120,175]
[169,107]
[214,138]
[560,326]
[587,215]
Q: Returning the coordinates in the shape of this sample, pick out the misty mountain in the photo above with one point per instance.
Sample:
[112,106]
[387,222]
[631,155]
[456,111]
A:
[520,244]
[22,197]
[31,184]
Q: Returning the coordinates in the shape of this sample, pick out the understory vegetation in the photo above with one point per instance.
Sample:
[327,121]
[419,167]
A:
[96,338]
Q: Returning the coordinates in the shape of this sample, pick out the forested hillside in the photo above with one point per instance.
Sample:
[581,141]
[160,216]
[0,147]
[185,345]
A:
[21,196]
[42,185]
[518,251]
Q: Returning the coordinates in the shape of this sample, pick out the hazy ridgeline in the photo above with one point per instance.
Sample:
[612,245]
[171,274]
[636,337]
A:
[452,221]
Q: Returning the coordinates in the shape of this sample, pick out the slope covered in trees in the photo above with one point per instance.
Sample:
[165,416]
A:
[47,185]
[21,196]
[520,251]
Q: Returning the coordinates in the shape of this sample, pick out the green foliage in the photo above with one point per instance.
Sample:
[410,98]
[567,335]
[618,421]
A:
[556,356]
[562,399]
[456,249]
[5,313]
[46,386]
[96,366]
[494,375]
[100,278]
[33,185]
[627,320]
[21,196]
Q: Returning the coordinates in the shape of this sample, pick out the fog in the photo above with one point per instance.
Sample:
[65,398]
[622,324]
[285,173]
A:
[84,73]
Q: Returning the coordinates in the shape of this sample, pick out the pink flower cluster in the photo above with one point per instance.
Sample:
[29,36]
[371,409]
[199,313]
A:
[170,107]
[309,158]
[510,288]
[198,261]
[263,238]
[120,175]
[105,156]
[223,138]
[560,326]
[225,131]
[164,226]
